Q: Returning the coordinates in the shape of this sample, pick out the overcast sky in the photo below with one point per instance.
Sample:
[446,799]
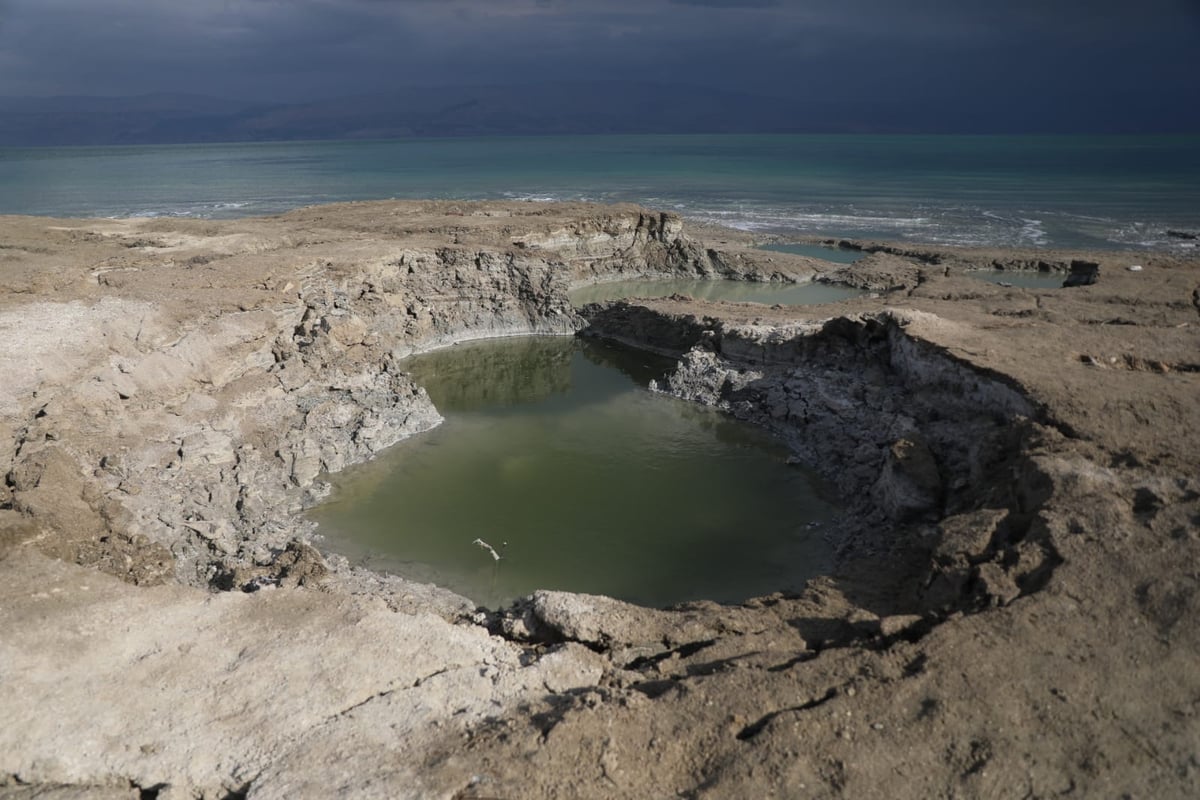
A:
[1138,57]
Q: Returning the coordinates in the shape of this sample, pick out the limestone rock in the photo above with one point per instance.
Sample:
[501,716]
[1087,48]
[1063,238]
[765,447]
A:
[605,622]
[208,447]
[240,682]
[571,666]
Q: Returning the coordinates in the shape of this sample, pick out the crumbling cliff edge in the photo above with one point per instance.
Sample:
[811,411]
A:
[1018,563]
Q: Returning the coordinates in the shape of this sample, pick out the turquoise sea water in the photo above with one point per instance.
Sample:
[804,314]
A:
[1065,191]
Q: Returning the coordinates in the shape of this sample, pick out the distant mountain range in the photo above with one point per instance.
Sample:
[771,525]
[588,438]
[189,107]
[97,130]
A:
[454,111]
[555,108]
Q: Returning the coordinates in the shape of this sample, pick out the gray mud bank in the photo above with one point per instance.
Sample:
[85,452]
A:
[1019,467]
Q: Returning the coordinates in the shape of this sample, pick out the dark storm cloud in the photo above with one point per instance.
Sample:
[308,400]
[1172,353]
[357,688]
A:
[729,3]
[920,51]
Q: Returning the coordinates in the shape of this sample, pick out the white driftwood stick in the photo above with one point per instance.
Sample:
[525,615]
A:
[487,547]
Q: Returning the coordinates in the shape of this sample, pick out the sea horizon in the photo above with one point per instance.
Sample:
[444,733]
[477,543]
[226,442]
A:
[1102,191]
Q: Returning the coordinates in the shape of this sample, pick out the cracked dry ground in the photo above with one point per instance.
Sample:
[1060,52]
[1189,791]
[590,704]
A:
[1036,641]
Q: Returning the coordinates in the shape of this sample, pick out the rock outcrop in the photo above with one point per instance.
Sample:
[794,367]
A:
[1083,273]
[909,434]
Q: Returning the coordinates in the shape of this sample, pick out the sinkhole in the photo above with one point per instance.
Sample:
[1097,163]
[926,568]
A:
[555,454]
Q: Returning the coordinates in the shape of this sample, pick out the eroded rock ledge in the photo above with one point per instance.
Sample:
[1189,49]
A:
[1020,464]
[919,443]
[222,368]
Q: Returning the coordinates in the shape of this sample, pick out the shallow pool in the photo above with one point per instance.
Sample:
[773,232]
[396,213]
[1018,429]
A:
[838,255]
[555,455]
[787,294]
[1027,279]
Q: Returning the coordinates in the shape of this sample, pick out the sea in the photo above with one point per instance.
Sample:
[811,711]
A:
[1046,191]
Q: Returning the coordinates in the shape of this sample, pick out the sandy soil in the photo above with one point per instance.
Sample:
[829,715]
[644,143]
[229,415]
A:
[1012,616]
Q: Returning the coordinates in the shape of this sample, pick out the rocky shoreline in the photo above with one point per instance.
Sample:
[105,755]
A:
[1020,467]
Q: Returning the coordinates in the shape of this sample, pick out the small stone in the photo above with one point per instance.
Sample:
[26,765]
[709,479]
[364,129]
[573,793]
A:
[890,626]
[970,534]
[207,446]
[996,584]
[571,666]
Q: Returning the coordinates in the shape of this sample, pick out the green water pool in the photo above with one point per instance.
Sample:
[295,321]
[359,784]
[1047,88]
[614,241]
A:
[555,454]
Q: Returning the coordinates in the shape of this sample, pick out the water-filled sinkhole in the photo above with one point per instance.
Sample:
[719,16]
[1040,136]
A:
[787,294]
[838,255]
[555,453]
[1026,279]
